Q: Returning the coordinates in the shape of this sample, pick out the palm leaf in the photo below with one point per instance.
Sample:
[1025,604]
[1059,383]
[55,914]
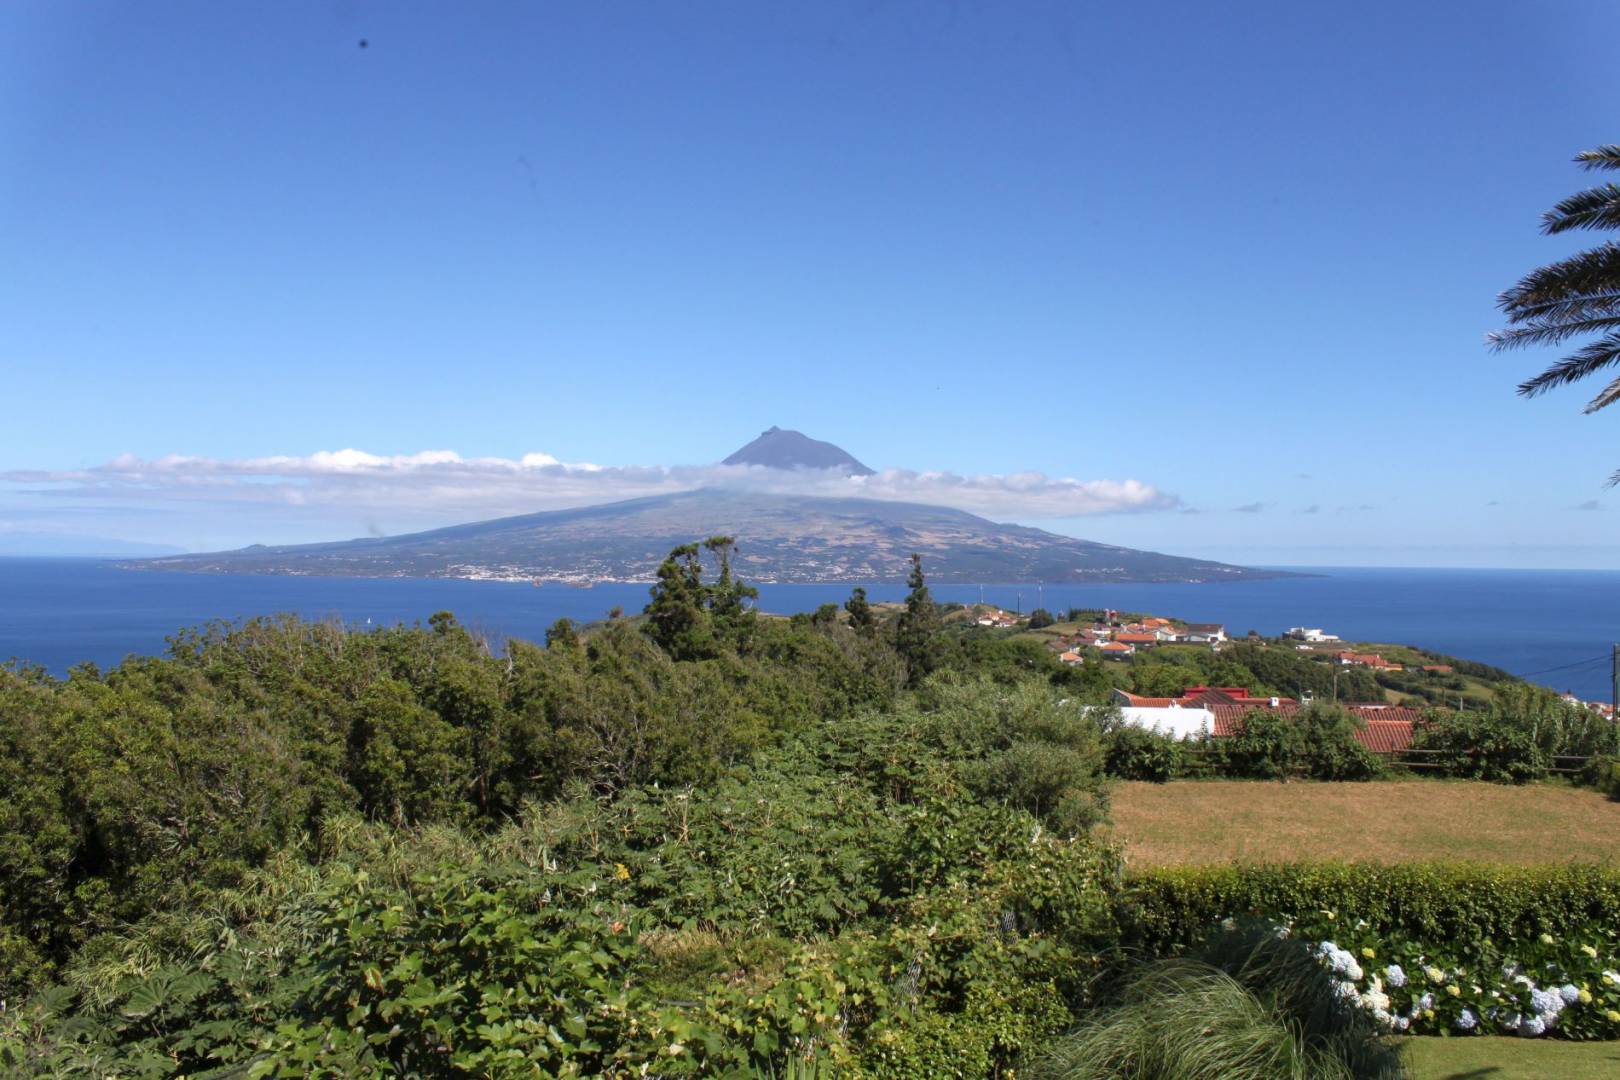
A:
[1545,332]
[1594,208]
[1606,156]
[1584,275]
[1606,303]
[1605,397]
[1594,357]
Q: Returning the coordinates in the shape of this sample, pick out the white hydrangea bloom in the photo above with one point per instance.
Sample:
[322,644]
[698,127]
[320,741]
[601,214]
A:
[1547,1003]
[1395,976]
[1570,993]
[1467,1020]
[1532,1027]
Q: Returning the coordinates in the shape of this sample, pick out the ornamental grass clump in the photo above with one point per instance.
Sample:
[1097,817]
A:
[1250,1005]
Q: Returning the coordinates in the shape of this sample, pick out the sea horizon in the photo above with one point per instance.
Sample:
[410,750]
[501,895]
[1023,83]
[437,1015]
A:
[1550,625]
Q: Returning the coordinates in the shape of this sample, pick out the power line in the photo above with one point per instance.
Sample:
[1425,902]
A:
[1565,667]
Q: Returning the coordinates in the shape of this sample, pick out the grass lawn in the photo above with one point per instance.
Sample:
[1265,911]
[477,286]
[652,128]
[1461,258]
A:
[1216,821]
[1488,1058]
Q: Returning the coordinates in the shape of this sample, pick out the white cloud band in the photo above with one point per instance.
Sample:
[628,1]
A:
[442,487]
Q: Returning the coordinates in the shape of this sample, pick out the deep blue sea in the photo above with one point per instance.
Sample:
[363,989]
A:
[1554,626]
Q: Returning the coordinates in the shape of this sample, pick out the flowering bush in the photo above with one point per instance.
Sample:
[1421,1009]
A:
[1569,987]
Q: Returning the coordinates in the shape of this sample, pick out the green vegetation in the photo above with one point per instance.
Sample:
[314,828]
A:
[1248,1006]
[862,843]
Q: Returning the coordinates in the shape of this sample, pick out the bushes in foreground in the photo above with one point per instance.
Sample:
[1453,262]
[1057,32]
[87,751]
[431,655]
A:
[903,893]
[1423,948]
[1249,1006]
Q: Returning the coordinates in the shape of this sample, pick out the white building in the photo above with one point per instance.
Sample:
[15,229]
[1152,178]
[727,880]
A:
[1176,722]
[1309,633]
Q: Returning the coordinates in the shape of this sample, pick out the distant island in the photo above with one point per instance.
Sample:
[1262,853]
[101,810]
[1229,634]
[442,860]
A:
[780,539]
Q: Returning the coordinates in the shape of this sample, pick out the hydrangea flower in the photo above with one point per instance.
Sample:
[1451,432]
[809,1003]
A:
[1570,993]
[1546,1003]
[1467,1020]
[1532,1027]
[1434,974]
[1395,976]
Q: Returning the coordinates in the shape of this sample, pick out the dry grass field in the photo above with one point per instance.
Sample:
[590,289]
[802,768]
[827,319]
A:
[1216,821]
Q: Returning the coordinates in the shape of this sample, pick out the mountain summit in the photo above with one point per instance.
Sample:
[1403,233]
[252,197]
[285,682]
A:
[779,449]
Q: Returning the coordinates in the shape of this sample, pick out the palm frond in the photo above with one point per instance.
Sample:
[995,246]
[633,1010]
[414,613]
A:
[1594,357]
[1547,332]
[1603,303]
[1584,275]
[1605,397]
[1606,156]
[1594,208]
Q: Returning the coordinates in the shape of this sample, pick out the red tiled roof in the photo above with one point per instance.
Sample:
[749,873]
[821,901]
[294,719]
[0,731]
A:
[1138,702]
[1137,639]
[1388,728]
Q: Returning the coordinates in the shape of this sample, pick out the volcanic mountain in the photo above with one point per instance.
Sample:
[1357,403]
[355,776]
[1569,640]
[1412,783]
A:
[780,538]
[779,449]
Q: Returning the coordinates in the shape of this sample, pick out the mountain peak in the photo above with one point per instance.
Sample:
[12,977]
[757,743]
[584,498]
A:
[777,448]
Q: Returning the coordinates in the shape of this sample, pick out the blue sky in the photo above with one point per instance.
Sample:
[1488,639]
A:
[1243,256]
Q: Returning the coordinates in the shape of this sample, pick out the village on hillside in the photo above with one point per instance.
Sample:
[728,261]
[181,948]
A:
[1117,640]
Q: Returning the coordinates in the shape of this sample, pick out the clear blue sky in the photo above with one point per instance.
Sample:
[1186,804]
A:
[1244,254]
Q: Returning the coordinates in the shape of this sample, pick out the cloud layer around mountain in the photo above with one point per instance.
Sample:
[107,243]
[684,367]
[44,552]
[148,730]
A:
[442,484]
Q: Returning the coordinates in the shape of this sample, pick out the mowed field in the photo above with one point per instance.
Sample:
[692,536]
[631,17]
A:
[1489,1058]
[1217,821]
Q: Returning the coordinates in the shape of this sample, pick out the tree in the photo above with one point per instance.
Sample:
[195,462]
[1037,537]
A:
[677,617]
[1574,297]
[694,621]
[918,625]
[860,612]
[562,634]
[733,619]
[1040,619]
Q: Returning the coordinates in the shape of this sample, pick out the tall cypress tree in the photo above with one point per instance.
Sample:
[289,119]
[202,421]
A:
[860,612]
[918,628]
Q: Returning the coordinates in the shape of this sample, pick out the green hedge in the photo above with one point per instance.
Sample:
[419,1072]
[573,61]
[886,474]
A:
[1170,909]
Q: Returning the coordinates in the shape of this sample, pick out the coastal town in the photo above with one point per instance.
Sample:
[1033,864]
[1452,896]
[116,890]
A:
[1207,712]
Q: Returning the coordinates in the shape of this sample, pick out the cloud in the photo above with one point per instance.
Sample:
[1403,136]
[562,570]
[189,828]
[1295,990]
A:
[1312,509]
[443,486]
[1249,508]
[1590,504]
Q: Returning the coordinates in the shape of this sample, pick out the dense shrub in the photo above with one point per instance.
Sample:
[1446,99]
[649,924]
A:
[1517,738]
[1170,909]
[1136,753]
[1319,741]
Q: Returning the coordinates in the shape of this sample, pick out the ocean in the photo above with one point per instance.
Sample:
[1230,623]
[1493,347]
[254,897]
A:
[1555,627]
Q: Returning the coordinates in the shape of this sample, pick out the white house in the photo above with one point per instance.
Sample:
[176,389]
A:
[1176,722]
[1309,633]
[1205,633]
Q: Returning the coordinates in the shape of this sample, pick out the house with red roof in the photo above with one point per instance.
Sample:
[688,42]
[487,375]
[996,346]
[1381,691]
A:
[1371,660]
